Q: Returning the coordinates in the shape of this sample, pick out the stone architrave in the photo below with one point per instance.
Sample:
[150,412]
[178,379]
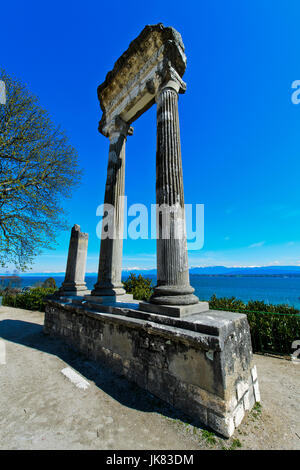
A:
[74,283]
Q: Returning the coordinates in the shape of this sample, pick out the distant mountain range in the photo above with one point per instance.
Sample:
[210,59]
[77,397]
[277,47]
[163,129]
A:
[225,271]
[208,271]
[259,270]
[236,271]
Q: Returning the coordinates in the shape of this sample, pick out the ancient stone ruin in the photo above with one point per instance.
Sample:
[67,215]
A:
[74,283]
[196,359]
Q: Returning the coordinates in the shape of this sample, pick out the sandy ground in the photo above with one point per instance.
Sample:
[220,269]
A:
[40,408]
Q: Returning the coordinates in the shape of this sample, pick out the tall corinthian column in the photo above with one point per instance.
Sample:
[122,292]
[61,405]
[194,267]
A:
[110,261]
[173,284]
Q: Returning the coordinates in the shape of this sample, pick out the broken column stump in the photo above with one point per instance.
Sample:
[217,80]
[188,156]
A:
[74,283]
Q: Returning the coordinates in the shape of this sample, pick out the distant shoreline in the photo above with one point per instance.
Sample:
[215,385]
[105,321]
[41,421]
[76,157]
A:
[210,271]
[152,273]
[279,288]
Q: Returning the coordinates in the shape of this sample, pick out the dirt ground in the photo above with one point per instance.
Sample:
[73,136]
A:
[40,408]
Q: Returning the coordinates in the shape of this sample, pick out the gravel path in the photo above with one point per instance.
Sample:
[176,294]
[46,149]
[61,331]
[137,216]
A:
[40,407]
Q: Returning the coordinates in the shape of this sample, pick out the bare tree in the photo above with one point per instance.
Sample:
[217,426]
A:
[38,168]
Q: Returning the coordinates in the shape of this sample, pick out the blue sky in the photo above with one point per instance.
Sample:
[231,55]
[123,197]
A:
[239,127]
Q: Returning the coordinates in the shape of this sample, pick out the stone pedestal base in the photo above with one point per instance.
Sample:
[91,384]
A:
[109,299]
[108,291]
[62,292]
[202,364]
[177,311]
[174,295]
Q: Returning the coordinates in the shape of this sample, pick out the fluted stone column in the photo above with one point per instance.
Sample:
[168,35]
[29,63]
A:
[110,261]
[173,284]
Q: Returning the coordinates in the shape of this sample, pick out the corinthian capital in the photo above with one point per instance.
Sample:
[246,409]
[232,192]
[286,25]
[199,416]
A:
[172,80]
[117,127]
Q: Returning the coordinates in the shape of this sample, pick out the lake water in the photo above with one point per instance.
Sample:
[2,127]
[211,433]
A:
[274,290]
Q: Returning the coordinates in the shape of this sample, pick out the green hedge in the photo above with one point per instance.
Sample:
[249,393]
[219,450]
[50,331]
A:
[140,287]
[273,327]
[34,299]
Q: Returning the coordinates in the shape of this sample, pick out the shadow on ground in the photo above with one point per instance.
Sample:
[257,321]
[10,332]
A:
[125,392]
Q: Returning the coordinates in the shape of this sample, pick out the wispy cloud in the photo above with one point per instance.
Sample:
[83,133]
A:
[256,245]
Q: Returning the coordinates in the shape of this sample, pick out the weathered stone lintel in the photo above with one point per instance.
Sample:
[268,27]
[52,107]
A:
[139,94]
[153,40]
[173,364]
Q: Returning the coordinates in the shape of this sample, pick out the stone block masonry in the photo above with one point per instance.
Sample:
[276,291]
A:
[201,364]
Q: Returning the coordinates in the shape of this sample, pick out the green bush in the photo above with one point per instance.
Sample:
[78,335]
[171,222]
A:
[140,287]
[49,283]
[273,328]
[227,303]
[34,299]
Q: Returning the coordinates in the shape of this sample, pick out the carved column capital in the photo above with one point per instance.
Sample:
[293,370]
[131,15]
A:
[117,127]
[170,80]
